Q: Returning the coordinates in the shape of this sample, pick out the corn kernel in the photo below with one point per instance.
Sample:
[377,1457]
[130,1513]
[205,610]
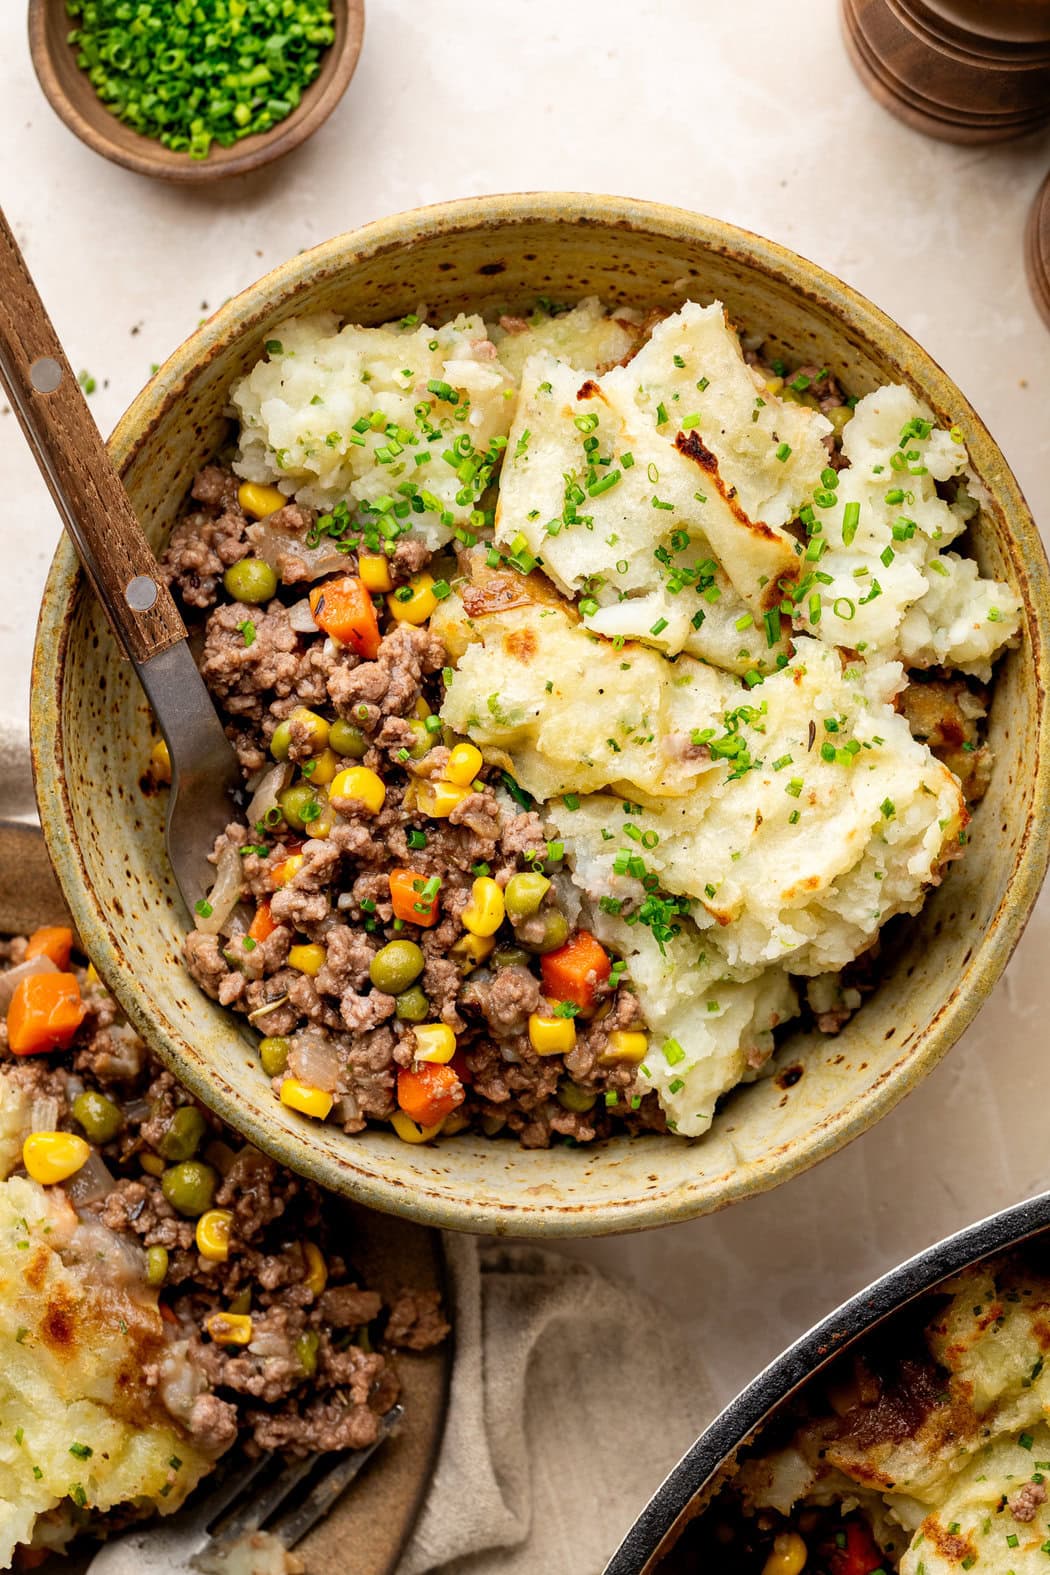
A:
[774,384]
[316,1268]
[160,762]
[788,1556]
[213,1235]
[624,1045]
[374,570]
[288,868]
[310,1101]
[421,709]
[258,500]
[53,1156]
[551,1035]
[439,799]
[434,1042]
[152,1164]
[418,604]
[314,724]
[309,958]
[324,768]
[464,763]
[409,1131]
[229,1328]
[91,975]
[483,914]
[358,782]
[470,950]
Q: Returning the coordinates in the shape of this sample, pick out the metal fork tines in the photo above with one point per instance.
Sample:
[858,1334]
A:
[248,1497]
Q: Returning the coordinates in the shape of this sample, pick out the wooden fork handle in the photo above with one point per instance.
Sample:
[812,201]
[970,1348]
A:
[68,447]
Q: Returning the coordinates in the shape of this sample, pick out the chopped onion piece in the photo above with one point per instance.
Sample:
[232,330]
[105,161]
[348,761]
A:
[226,892]
[92,1181]
[288,554]
[313,1060]
[301,618]
[273,781]
[10,980]
[43,1114]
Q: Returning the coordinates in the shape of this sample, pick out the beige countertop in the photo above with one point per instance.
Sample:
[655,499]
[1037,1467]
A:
[746,109]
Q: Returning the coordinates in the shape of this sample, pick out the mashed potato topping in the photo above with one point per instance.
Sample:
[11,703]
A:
[942,1441]
[81,1426]
[689,602]
[328,411]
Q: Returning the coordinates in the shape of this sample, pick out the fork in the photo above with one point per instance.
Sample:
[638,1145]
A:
[118,561]
[240,1504]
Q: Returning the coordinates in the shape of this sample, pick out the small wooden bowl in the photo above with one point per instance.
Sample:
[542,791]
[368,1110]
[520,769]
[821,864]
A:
[72,97]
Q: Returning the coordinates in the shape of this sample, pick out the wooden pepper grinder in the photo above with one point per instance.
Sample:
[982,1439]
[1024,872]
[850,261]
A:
[1037,249]
[968,71]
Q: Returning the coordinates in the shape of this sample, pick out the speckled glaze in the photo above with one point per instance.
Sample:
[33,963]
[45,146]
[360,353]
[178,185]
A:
[91,735]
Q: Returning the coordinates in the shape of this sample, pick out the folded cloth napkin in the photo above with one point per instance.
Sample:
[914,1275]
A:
[572,1396]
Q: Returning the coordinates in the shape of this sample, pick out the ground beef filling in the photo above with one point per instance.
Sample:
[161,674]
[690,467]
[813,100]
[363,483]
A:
[264,666]
[316,1374]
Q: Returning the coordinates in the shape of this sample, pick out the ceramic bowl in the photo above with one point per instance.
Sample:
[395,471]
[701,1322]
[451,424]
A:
[688,1490]
[91,732]
[73,98]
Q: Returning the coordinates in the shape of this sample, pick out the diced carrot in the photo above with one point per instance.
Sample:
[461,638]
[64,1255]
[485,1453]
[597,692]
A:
[409,903]
[860,1556]
[430,1093]
[344,609]
[54,941]
[282,873]
[264,924]
[44,1014]
[575,970]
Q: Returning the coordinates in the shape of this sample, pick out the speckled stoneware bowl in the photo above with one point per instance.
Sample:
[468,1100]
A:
[91,733]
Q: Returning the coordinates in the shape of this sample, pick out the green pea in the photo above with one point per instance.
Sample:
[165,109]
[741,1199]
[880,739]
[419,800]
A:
[524,894]
[183,1137]
[555,933]
[273,1053]
[251,580]
[190,1187]
[509,957]
[346,739]
[99,1116]
[306,1347]
[572,1097]
[295,805]
[396,966]
[838,415]
[281,742]
[413,1006]
[156,1265]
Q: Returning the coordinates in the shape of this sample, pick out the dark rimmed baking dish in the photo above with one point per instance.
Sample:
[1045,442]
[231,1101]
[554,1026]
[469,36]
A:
[694,1481]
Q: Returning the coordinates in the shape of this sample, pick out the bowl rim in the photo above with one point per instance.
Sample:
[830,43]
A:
[804,1359]
[275,291]
[320,98]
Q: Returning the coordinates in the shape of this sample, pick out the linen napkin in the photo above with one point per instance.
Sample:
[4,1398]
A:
[572,1396]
